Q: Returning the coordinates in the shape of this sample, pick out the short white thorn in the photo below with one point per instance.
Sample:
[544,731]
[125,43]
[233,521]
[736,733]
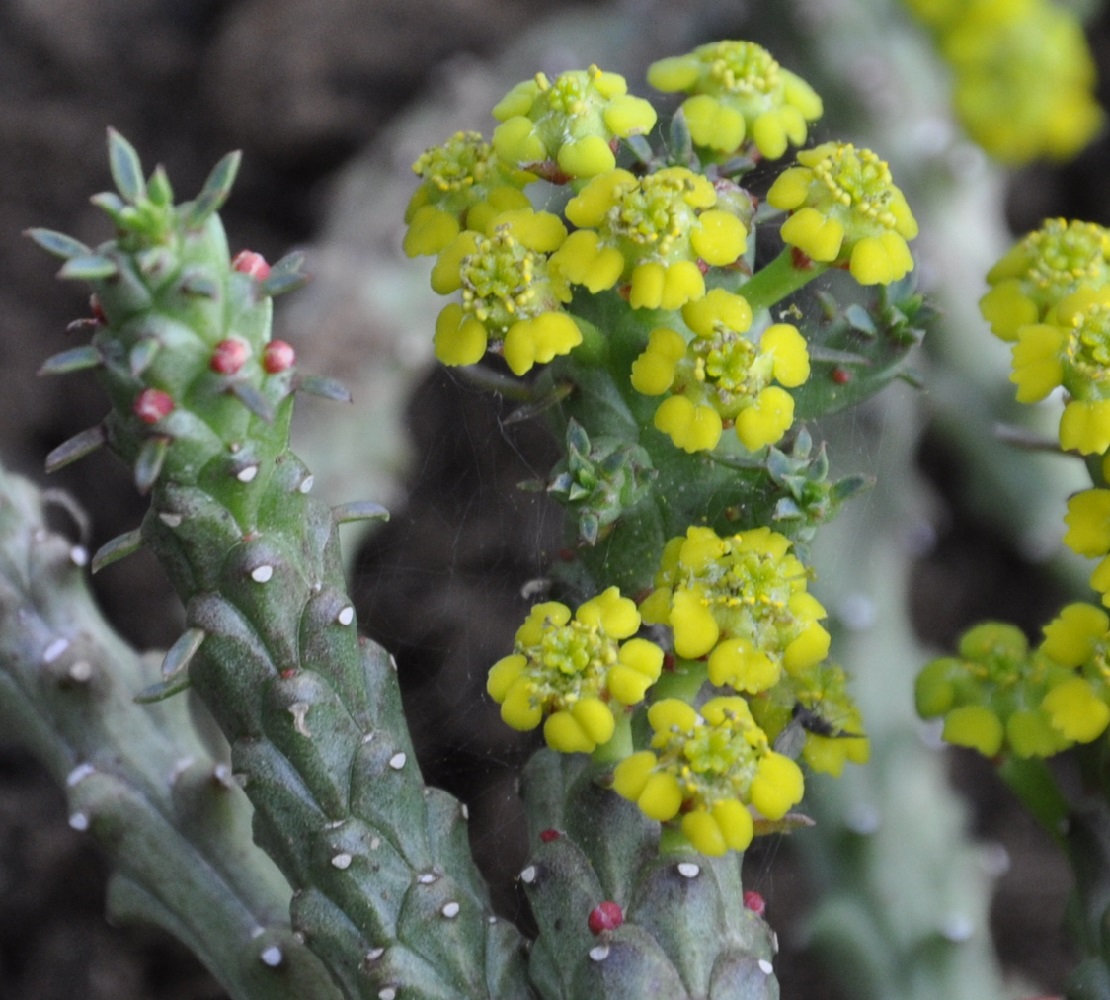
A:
[272,956]
[263,573]
[450,910]
[397,761]
[79,821]
[765,967]
[528,876]
[170,519]
[346,615]
[306,483]
[687,869]
[79,774]
[600,952]
[247,473]
[79,555]
[342,861]
[81,671]
[55,649]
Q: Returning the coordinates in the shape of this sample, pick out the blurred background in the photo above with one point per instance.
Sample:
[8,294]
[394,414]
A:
[330,104]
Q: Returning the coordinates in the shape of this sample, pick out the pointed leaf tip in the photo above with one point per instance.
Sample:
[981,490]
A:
[118,548]
[58,244]
[253,400]
[181,653]
[163,689]
[127,169]
[148,466]
[76,447]
[324,387]
[215,191]
[77,359]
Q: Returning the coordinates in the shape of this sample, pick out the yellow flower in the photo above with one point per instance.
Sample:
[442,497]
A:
[1088,521]
[740,97]
[571,670]
[722,376]
[714,591]
[711,768]
[509,295]
[845,210]
[463,183]
[572,121]
[1042,269]
[650,232]
[1024,80]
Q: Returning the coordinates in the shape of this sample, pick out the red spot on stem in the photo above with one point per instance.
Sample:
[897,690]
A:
[607,916]
[754,902]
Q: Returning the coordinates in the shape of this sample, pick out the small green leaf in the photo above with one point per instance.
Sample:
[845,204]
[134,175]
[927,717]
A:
[359,510]
[253,400]
[76,447]
[59,244]
[109,202]
[118,548]
[159,189]
[142,355]
[127,170]
[280,282]
[76,359]
[215,191]
[181,652]
[88,267]
[148,466]
[322,386]
[163,690]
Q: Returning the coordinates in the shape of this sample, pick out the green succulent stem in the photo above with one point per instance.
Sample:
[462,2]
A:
[384,888]
[174,825]
[788,273]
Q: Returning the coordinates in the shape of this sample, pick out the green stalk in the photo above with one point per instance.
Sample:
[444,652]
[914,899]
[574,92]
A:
[173,823]
[385,890]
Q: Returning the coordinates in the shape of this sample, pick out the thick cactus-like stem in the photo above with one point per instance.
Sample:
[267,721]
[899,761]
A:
[174,824]
[385,891]
[686,933]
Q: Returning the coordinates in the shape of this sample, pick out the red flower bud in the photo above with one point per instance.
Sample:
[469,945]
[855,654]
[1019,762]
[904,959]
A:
[841,376]
[754,902]
[607,916]
[151,405]
[254,264]
[546,836]
[228,356]
[97,310]
[278,357]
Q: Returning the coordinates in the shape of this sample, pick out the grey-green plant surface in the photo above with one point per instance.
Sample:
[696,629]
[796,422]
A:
[384,888]
[139,778]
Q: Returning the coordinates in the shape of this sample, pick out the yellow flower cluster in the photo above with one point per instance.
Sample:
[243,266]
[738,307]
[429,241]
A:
[998,696]
[570,671]
[846,211]
[574,121]
[1024,76]
[1050,296]
[742,602]
[722,375]
[510,295]
[650,232]
[709,767]
[463,184]
[741,98]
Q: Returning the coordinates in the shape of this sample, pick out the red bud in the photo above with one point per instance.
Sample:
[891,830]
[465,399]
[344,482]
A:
[607,916]
[278,357]
[254,264]
[546,836]
[151,405]
[754,902]
[228,356]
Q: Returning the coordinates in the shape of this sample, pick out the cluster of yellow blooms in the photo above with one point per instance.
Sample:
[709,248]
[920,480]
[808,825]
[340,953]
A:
[1024,77]
[740,608]
[1050,298]
[667,237]
[998,695]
